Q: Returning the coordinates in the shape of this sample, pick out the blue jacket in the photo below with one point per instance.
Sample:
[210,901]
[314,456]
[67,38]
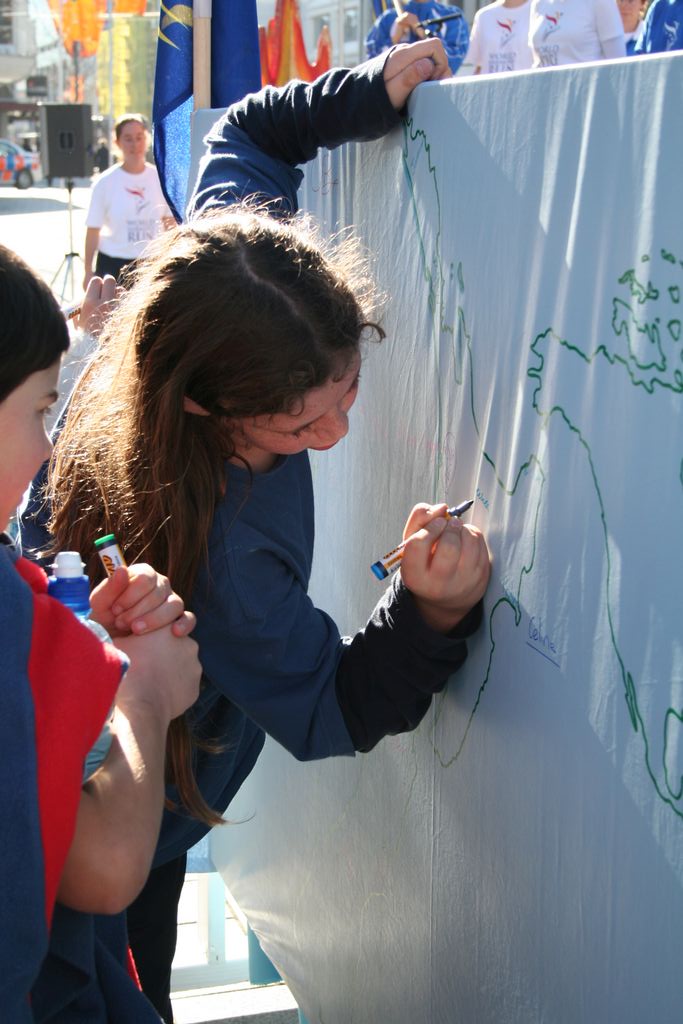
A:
[23,925]
[85,975]
[454,34]
[662,29]
[47,669]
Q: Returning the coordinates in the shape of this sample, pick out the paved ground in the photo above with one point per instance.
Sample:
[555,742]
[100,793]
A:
[236,1004]
[36,224]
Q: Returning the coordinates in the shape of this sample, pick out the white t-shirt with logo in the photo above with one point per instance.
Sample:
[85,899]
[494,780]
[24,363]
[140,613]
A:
[128,209]
[500,38]
[572,31]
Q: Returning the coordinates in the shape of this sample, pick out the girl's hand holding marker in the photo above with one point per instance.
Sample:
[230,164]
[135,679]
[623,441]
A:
[384,567]
[446,565]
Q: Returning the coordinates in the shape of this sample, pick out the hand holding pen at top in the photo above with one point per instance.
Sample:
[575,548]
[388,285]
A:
[446,565]
[404,25]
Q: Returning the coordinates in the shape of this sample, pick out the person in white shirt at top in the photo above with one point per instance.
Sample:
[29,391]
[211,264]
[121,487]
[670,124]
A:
[500,38]
[575,31]
[127,207]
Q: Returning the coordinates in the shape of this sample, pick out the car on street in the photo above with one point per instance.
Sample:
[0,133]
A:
[18,167]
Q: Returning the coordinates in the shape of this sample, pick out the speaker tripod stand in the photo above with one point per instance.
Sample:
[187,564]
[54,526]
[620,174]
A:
[67,266]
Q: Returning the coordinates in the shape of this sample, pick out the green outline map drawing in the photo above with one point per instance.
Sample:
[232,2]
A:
[650,354]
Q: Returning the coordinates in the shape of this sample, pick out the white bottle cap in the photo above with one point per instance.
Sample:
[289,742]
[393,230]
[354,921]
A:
[67,565]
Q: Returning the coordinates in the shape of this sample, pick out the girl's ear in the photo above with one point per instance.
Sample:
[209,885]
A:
[189,405]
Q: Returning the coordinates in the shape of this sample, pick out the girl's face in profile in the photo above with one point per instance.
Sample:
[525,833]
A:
[22,425]
[321,423]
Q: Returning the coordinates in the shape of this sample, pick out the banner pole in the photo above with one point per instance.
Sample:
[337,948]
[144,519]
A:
[201,54]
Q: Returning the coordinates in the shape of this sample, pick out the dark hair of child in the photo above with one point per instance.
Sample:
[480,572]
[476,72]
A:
[34,333]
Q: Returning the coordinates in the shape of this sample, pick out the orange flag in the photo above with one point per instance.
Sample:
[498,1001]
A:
[130,6]
[283,53]
[78,21]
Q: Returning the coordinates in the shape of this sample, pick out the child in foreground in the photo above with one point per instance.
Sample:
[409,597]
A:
[67,847]
[237,349]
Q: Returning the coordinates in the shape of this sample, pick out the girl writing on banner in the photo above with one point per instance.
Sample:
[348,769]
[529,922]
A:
[237,349]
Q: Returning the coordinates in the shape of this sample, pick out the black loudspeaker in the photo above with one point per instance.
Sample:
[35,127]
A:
[66,149]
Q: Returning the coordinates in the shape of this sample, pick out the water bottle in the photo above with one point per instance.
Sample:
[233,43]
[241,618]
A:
[69,586]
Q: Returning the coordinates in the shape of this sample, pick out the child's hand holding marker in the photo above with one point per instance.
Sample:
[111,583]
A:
[137,599]
[97,303]
[446,565]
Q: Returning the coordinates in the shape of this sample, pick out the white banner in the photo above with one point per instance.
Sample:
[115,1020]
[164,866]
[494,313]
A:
[520,857]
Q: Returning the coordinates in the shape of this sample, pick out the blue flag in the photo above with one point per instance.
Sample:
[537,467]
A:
[235,71]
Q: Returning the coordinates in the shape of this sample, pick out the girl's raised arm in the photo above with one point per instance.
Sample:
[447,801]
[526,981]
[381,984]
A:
[254,149]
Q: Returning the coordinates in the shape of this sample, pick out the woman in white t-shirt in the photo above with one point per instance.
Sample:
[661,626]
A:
[127,207]
[574,31]
[500,38]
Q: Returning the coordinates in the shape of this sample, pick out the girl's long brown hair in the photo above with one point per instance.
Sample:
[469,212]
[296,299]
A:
[241,313]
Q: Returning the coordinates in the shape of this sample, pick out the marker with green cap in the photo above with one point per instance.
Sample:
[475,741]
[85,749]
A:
[110,553]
